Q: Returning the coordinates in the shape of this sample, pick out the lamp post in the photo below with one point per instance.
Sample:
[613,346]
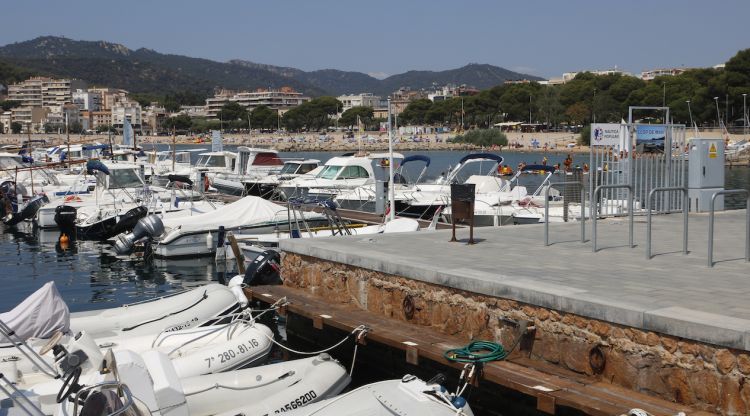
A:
[690,113]
[718,113]
[593,109]
[744,114]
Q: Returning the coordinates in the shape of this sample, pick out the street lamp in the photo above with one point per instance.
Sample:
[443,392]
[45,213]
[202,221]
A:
[690,113]
[718,113]
[744,113]
[593,109]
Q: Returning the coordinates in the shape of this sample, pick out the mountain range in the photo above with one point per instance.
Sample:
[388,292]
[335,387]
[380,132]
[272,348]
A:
[147,71]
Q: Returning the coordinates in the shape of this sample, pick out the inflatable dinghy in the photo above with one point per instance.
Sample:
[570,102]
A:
[44,313]
[409,396]
[148,382]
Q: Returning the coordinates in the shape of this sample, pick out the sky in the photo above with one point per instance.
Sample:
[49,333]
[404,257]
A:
[385,37]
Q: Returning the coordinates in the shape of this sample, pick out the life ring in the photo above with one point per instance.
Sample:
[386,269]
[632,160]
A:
[385,162]
[73,198]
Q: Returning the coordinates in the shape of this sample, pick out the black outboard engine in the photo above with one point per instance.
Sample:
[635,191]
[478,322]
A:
[28,211]
[264,270]
[148,227]
[65,218]
[127,222]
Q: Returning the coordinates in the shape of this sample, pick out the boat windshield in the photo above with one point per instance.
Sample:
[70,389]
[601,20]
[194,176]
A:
[124,178]
[289,168]
[329,172]
[9,162]
[212,161]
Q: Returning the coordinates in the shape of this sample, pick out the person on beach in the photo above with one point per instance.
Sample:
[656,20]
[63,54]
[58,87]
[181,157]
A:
[568,161]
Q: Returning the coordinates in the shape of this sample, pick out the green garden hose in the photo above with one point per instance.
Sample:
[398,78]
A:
[477,352]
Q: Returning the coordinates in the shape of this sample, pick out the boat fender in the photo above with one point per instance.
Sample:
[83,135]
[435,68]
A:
[458,402]
[210,241]
[235,285]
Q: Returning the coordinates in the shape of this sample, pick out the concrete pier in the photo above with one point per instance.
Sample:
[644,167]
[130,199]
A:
[670,326]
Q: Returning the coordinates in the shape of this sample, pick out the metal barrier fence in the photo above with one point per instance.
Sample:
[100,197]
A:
[546,208]
[711,223]
[685,210]
[595,212]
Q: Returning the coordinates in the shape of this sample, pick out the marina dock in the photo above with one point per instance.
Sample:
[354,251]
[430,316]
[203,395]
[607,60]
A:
[670,327]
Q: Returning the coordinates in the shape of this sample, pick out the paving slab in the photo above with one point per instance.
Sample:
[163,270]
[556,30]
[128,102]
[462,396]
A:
[672,293]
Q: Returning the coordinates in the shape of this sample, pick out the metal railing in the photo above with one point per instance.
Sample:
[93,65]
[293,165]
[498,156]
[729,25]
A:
[685,210]
[18,397]
[711,223]
[595,212]
[546,208]
[9,334]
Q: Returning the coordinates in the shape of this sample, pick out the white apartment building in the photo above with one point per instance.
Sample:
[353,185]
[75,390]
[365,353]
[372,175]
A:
[5,120]
[360,100]
[281,99]
[193,110]
[109,97]
[42,92]
[129,110]
[88,100]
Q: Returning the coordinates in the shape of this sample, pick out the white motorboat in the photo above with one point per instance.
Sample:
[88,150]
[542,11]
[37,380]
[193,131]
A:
[363,198]
[197,235]
[252,164]
[265,186]
[409,396]
[480,169]
[340,174]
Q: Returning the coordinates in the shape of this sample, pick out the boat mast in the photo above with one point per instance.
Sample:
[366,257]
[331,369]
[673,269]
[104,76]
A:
[391,191]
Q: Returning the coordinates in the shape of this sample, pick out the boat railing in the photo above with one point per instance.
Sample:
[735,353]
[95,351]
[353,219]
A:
[546,208]
[9,334]
[685,210]
[17,396]
[595,212]
[711,219]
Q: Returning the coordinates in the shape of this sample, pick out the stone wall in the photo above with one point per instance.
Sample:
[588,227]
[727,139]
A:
[692,373]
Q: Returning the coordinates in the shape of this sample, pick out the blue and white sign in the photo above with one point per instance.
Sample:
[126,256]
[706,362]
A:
[650,135]
[605,134]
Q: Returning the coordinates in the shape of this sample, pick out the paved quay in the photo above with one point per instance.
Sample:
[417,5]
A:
[673,294]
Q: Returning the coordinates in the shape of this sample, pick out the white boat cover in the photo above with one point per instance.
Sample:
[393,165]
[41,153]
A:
[40,315]
[247,211]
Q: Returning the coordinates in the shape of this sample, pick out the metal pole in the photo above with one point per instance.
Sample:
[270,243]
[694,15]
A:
[744,113]
[630,215]
[391,190]
[711,233]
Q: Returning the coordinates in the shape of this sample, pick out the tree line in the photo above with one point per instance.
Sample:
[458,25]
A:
[600,98]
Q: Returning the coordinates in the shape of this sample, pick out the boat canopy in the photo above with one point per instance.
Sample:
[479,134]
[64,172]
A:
[491,156]
[535,168]
[95,146]
[246,212]
[413,158]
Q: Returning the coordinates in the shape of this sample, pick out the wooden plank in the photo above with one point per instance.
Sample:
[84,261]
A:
[552,386]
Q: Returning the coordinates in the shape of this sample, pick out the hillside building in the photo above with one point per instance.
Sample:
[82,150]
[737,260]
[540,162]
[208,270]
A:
[360,100]
[282,99]
[127,110]
[87,100]
[43,92]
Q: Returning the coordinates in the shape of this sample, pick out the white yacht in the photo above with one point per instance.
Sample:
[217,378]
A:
[340,174]
[252,164]
[265,187]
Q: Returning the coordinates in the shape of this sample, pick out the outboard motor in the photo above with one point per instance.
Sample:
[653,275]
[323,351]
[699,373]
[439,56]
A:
[148,227]
[264,270]
[65,218]
[28,211]
[127,222]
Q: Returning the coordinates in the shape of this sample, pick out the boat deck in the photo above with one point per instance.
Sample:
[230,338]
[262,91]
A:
[672,293]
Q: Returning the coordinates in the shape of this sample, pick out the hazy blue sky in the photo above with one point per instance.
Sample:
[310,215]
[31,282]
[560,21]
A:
[543,38]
